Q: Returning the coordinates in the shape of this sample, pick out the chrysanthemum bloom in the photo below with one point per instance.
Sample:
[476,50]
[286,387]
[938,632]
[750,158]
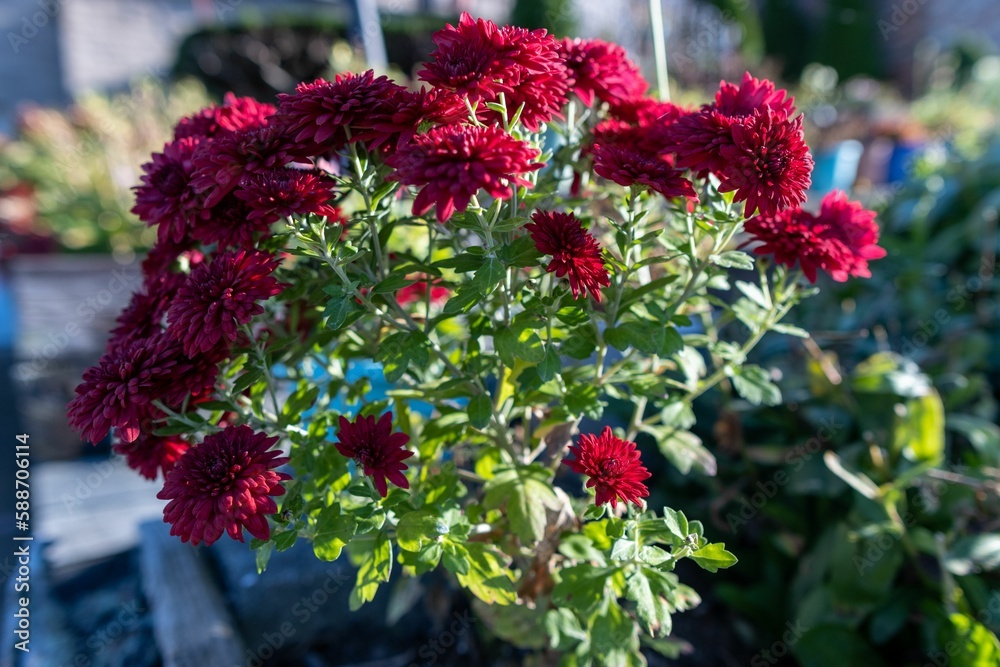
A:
[323,116]
[454,162]
[278,193]
[236,113]
[394,120]
[473,59]
[575,253]
[698,137]
[601,70]
[854,226]
[840,240]
[220,164]
[613,466]
[120,389]
[230,224]
[166,195]
[376,449]
[628,167]
[768,164]
[149,454]
[220,296]
[225,484]
[147,308]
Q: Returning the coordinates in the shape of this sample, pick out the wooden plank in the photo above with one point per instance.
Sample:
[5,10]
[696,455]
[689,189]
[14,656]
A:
[192,626]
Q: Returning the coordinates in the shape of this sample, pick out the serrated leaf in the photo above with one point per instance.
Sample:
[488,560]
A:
[480,411]
[525,344]
[488,276]
[714,557]
[374,570]
[754,384]
[417,529]
[733,259]
[333,531]
[488,578]
[526,492]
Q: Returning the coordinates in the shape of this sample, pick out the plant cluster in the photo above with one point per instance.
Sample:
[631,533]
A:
[518,243]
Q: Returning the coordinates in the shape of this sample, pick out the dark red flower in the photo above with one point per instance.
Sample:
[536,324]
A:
[220,296]
[768,164]
[454,162]
[148,454]
[601,70]
[119,391]
[376,449]
[225,484]
[166,196]
[480,61]
[699,137]
[613,466]
[396,120]
[839,240]
[220,164]
[575,252]
[236,113]
[473,59]
[278,193]
[147,309]
[231,224]
[628,167]
[323,116]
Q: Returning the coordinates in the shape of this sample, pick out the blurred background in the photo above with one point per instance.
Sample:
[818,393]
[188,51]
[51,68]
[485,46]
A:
[901,100]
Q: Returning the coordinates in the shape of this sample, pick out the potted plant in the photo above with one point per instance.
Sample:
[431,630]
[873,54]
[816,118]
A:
[514,245]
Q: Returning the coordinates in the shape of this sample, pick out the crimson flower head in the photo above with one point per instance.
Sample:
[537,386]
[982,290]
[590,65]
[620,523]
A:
[236,113]
[166,196]
[613,466]
[396,119]
[575,252]
[278,193]
[751,95]
[220,296]
[323,116]
[376,449]
[768,164]
[225,484]
[119,391]
[839,240]
[148,454]
[452,163]
[627,167]
[231,224]
[601,70]
[221,163]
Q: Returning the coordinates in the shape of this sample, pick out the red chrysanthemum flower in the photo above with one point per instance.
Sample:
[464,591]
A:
[601,70]
[220,164]
[149,454]
[279,193]
[454,162]
[613,466]
[231,224]
[418,291]
[628,167]
[575,252]
[323,116]
[854,226]
[220,296]
[699,137]
[147,308]
[768,164]
[839,240]
[119,391]
[376,449]
[236,113]
[473,59]
[225,484]
[167,196]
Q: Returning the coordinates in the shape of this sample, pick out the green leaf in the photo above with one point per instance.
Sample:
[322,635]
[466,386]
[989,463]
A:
[733,259]
[675,522]
[968,643]
[417,529]
[974,553]
[713,557]
[340,305]
[918,431]
[393,283]
[263,555]
[333,532]
[298,402]
[488,276]
[373,571]
[684,449]
[488,577]
[456,558]
[550,364]
[247,380]
[397,352]
[524,344]
[526,492]
[461,263]
[521,253]
[581,587]
[465,297]
[754,384]
[753,293]
[649,608]
[480,411]
[790,330]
